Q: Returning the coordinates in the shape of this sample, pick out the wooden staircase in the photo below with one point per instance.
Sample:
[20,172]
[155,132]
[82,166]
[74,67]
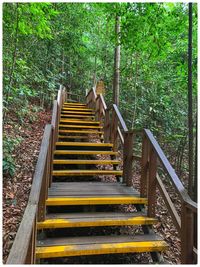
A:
[83,200]
[77,197]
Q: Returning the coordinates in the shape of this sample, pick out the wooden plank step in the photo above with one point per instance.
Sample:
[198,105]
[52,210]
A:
[79,109]
[60,189]
[73,137]
[76,116]
[86,172]
[94,245]
[85,162]
[80,126]
[92,219]
[81,132]
[80,121]
[77,113]
[84,144]
[74,104]
[101,200]
[80,152]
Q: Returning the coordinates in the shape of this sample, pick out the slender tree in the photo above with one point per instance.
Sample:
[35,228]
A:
[190,103]
[116,62]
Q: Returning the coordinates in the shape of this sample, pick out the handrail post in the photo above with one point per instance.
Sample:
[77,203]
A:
[144,166]
[43,195]
[128,158]
[152,182]
[114,126]
[107,126]
[187,236]
[30,257]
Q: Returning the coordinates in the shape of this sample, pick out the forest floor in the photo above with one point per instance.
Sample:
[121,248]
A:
[16,189]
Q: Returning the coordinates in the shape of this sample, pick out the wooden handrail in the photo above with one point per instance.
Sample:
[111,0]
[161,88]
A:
[170,171]
[119,116]
[103,101]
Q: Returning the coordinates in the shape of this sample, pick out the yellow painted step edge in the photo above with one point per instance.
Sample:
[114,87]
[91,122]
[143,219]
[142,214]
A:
[83,144]
[78,113]
[94,249]
[64,223]
[81,152]
[90,162]
[80,121]
[77,108]
[80,126]
[70,116]
[94,200]
[85,172]
[74,131]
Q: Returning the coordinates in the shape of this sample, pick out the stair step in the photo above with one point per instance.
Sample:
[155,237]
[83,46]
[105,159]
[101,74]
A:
[83,131]
[76,116]
[84,144]
[73,137]
[81,152]
[78,104]
[101,200]
[94,245]
[78,108]
[78,112]
[86,172]
[80,121]
[93,219]
[91,162]
[74,105]
[80,126]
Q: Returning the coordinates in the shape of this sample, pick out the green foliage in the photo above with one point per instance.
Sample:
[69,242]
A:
[45,44]
[9,144]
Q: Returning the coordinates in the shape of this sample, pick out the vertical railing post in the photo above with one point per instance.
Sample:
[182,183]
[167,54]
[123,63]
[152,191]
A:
[43,195]
[144,166]
[107,126]
[187,236]
[97,108]
[30,257]
[128,158]
[100,110]
[114,127]
[152,182]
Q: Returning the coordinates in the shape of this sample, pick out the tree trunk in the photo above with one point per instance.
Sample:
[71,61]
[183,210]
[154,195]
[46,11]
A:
[116,63]
[14,58]
[190,111]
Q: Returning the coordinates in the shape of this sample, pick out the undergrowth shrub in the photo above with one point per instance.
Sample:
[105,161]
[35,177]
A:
[9,144]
